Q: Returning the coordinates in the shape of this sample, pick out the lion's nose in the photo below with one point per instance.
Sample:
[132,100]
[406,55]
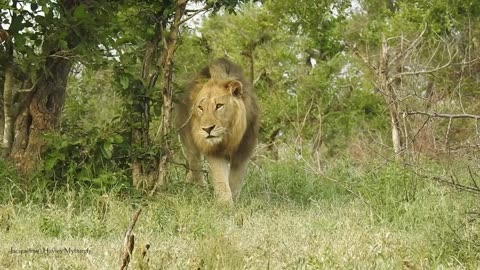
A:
[209,129]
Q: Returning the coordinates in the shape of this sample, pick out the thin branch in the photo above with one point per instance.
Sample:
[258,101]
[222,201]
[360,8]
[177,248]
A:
[419,130]
[362,57]
[472,177]
[452,183]
[412,73]
[468,62]
[28,90]
[411,46]
[195,13]
[445,115]
[187,167]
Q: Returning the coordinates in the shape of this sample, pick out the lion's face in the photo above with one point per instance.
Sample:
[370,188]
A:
[219,114]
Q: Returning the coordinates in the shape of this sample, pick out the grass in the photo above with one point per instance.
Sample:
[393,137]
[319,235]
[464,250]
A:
[288,218]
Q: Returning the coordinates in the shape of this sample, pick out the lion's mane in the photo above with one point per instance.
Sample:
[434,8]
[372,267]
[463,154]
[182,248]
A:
[240,140]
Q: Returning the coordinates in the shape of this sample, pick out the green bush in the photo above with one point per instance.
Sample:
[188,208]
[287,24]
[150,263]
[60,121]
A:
[95,158]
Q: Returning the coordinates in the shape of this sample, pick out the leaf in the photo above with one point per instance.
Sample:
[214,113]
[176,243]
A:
[118,139]
[124,82]
[63,44]
[45,9]
[19,42]
[103,179]
[80,12]
[16,25]
[107,149]
[52,160]
[38,42]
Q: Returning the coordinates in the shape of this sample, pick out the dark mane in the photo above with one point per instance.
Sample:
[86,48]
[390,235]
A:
[222,69]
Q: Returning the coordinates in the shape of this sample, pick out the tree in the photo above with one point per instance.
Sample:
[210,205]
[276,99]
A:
[44,39]
[407,47]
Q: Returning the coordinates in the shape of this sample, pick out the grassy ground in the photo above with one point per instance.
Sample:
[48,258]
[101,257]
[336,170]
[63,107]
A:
[348,217]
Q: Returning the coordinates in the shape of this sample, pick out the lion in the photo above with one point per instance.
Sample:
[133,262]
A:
[218,119]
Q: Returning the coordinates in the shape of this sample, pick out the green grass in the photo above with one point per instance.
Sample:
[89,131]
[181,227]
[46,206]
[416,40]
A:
[289,217]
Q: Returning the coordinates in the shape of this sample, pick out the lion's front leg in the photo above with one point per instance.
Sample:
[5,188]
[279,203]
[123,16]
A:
[238,170]
[195,174]
[219,168]
[194,160]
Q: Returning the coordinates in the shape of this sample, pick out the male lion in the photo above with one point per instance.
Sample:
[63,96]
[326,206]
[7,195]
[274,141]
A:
[218,118]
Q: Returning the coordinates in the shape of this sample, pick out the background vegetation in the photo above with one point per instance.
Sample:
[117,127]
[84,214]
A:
[369,148]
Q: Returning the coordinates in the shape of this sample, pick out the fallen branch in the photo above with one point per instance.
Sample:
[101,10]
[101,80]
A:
[445,115]
[129,241]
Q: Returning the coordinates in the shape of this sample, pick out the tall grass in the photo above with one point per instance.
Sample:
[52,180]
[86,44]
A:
[288,217]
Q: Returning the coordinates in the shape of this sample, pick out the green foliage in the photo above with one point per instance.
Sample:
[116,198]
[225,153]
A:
[92,100]
[39,28]
[95,158]
[317,20]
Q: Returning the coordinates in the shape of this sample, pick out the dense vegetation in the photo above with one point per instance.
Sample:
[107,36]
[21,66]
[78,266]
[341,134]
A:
[369,150]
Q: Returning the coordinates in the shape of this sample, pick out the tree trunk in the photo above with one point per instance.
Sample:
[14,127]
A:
[40,107]
[41,114]
[166,65]
[140,138]
[144,176]
[6,93]
[7,109]
[2,118]
[387,88]
[396,131]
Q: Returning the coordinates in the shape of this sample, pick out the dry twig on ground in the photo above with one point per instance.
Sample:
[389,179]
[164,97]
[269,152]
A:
[129,241]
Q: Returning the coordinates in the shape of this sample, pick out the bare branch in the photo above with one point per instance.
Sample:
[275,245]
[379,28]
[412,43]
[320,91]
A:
[195,13]
[447,134]
[445,115]
[411,73]
[411,46]
[468,62]
[28,90]
[364,58]
[419,130]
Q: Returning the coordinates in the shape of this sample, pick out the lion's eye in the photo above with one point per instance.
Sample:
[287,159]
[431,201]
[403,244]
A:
[200,108]
[219,105]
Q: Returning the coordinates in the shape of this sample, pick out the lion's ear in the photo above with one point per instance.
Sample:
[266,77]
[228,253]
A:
[235,87]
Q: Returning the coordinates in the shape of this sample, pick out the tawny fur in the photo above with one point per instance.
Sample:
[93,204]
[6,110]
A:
[219,99]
